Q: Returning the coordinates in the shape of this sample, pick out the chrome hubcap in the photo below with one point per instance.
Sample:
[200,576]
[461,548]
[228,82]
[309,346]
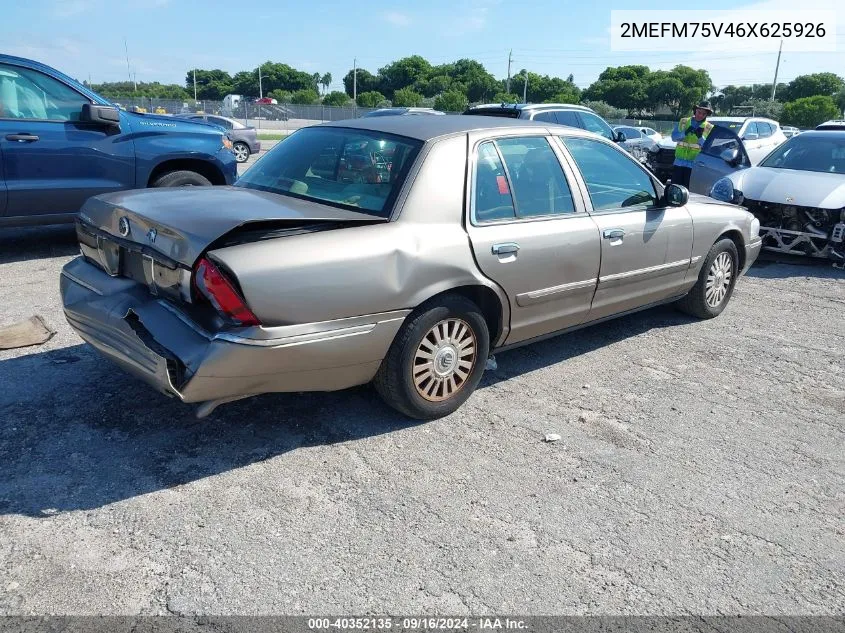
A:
[444,360]
[241,153]
[719,280]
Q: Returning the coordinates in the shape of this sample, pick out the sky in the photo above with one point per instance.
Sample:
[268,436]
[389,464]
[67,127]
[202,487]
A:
[88,39]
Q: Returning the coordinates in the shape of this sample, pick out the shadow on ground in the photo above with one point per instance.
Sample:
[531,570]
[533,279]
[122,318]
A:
[26,244]
[76,433]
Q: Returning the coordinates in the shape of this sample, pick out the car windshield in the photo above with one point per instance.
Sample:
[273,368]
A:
[803,153]
[356,169]
[730,124]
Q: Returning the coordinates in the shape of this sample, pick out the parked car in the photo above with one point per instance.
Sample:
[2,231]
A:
[265,101]
[651,133]
[60,144]
[406,269]
[633,140]
[244,138]
[797,192]
[759,137]
[561,113]
[401,112]
[790,131]
[834,124]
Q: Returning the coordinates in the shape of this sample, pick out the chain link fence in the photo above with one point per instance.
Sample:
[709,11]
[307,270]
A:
[275,116]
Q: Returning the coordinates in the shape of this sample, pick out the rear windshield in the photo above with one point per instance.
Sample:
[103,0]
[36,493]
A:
[352,169]
[731,125]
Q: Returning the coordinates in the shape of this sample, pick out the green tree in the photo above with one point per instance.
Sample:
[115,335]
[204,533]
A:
[307,96]
[697,84]
[765,108]
[505,97]
[367,82]
[326,81]
[282,96]
[839,98]
[451,101]
[605,110]
[622,87]
[810,111]
[406,98]
[402,73]
[663,89]
[370,99]
[826,84]
[211,84]
[336,98]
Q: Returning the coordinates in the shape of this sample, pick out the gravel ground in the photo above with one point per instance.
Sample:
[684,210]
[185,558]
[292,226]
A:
[700,470]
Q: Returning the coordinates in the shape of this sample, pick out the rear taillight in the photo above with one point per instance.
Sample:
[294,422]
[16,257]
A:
[214,286]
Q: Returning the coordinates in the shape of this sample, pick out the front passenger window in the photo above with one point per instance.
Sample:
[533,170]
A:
[613,180]
[27,94]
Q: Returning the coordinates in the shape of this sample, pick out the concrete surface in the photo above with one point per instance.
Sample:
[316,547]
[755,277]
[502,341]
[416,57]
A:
[700,470]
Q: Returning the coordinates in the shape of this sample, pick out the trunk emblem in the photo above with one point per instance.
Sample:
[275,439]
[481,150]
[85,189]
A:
[123,226]
[790,199]
[151,235]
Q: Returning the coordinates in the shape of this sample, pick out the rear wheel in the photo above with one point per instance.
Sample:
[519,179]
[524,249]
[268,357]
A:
[181,178]
[436,360]
[716,281]
[241,152]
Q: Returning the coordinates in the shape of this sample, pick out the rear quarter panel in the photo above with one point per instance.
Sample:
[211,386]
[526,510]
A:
[369,269]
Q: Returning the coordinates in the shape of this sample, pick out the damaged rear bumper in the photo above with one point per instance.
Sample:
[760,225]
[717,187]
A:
[158,343]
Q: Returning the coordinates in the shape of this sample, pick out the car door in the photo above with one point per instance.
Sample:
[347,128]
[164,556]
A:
[722,153]
[53,162]
[754,144]
[530,233]
[645,245]
[2,186]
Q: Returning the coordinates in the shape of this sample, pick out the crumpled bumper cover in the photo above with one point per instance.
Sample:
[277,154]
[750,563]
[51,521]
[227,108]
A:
[156,342]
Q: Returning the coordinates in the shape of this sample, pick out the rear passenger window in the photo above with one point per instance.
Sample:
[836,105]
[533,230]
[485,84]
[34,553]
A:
[545,116]
[540,188]
[567,117]
[529,184]
[493,199]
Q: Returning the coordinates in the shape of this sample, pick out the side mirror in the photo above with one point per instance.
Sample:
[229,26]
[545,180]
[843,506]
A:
[100,115]
[730,156]
[620,137]
[751,136]
[676,195]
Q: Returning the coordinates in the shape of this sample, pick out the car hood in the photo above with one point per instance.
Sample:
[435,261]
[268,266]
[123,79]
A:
[187,220]
[149,122]
[788,186]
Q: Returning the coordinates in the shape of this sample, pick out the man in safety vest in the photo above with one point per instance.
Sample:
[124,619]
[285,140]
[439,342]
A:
[690,134]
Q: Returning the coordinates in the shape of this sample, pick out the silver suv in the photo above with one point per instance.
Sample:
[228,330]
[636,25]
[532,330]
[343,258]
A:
[562,113]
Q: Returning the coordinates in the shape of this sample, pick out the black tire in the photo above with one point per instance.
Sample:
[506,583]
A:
[241,149]
[181,178]
[395,379]
[696,301]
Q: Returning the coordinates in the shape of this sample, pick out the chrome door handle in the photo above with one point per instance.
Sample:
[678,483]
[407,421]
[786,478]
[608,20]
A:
[613,234]
[508,248]
[22,138]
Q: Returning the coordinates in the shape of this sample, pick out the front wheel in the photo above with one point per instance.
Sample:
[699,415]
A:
[714,288]
[436,360]
[181,178]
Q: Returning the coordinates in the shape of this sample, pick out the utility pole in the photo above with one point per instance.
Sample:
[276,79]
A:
[128,70]
[510,59]
[777,67]
[355,80]
[525,89]
[195,84]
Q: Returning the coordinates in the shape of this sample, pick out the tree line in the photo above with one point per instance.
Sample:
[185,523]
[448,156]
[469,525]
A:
[631,91]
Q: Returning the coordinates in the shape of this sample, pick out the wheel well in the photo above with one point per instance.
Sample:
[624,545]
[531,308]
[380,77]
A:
[736,237]
[489,304]
[201,167]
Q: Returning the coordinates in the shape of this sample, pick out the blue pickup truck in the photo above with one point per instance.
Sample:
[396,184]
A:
[60,144]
